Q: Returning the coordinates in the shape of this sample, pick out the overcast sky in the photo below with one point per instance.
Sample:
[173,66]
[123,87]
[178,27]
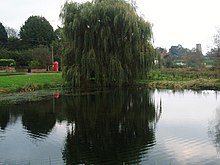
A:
[185,22]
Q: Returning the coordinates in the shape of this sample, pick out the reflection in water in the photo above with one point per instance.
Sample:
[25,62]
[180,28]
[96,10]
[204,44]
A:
[214,130]
[113,127]
[110,128]
[39,121]
[37,118]
[4,119]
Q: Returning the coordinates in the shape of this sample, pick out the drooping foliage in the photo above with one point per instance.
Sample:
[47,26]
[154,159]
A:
[108,43]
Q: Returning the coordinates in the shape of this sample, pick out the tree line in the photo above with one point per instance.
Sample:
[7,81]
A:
[33,44]
[180,57]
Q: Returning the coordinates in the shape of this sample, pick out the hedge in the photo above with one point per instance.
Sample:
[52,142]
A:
[7,62]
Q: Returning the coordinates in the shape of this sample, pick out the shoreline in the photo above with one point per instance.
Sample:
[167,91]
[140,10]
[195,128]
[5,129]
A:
[156,80]
[31,94]
[29,82]
[195,84]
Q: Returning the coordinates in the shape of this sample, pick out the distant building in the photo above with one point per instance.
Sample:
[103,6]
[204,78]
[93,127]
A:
[199,48]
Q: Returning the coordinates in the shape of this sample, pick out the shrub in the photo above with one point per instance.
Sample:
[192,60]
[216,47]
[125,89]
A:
[7,62]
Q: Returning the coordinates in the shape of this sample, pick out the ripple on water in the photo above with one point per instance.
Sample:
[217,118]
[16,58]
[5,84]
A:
[182,150]
[2,132]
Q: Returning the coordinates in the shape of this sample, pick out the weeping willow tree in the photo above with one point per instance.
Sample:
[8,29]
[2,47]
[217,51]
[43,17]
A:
[108,43]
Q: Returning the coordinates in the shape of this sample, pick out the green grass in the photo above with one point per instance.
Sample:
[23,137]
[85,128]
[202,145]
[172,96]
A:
[183,79]
[25,83]
[182,74]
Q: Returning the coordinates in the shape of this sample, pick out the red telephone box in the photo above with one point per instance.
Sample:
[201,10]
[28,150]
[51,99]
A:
[55,66]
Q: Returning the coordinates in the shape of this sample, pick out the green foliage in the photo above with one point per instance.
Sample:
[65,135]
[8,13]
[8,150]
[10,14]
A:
[7,62]
[22,58]
[14,44]
[108,43]
[194,60]
[58,45]
[197,84]
[34,63]
[183,74]
[183,79]
[41,56]
[3,36]
[168,61]
[178,51]
[33,46]
[180,57]
[37,31]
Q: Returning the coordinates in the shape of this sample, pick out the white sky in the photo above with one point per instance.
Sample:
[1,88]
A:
[185,22]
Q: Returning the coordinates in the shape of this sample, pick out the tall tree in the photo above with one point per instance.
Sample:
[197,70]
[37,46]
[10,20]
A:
[108,42]
[217,44]
[37,31]
[217,38]
[3,36]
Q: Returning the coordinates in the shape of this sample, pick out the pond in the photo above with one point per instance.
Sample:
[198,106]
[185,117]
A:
[133,126]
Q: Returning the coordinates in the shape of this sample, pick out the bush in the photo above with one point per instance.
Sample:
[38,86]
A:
[7,62]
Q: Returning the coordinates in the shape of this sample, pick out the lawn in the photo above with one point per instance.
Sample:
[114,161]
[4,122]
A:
[29,82]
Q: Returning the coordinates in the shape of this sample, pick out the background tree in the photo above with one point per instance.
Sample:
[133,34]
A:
[37,31]
[12,33]
[108,42]
[217,44]
[3,36]
[58,45]
[40,57]
[22,58]
[168,61]
[194,59]
[14,44]
[178,51]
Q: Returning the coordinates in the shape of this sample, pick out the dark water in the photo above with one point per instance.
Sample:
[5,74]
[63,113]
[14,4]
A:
[113,127]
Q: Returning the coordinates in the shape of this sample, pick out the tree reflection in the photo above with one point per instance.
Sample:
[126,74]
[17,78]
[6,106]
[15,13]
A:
[7,116]
[38,119]
[4,119]
[114,127]
[214,130]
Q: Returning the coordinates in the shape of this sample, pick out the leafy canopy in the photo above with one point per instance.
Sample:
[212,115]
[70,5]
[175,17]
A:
[37,31]
[109,43]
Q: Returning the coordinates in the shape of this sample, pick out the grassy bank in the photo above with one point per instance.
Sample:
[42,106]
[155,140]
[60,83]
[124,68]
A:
[162,79]
[29,82]
[197,79]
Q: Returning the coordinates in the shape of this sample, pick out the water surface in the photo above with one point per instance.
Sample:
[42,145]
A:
[113,127]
